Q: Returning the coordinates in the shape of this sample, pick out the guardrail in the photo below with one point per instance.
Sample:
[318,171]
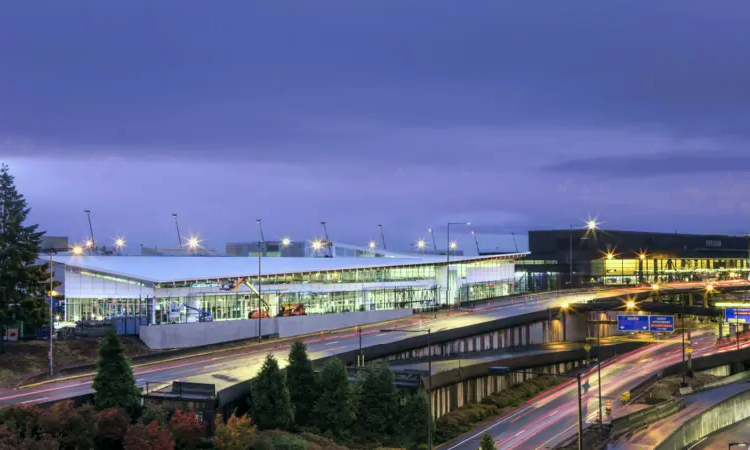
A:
[643,417]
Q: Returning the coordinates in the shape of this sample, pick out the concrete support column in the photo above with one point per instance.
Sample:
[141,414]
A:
[705,300]
[691,299]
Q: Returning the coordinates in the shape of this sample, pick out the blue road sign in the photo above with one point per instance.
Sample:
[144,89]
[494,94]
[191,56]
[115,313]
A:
[737,315]
[632,323]
[661,324]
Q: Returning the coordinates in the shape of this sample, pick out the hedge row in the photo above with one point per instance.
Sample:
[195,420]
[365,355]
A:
[467,417]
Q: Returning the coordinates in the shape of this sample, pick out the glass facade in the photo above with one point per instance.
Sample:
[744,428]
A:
[650,270]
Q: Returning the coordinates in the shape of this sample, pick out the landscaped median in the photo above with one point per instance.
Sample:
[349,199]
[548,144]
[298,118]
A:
[468,417]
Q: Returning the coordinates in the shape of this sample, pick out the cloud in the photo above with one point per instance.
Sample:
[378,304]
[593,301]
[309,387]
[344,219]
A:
[654,165]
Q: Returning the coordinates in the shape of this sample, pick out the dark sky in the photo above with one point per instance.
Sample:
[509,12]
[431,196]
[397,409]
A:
[513,115]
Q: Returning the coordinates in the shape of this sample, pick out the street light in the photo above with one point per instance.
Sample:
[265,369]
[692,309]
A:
[372,245]
[316,245]
[631,304]
[507,370]
[476,242]
[91,229]
[450,245]
[193,243]
[591,225]
[179,238]
[286,241]
[77,250]
[421,244]
[434,245]
[429,378]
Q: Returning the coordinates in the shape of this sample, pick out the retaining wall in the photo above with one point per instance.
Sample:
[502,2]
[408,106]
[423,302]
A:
[714,419]
[186,335]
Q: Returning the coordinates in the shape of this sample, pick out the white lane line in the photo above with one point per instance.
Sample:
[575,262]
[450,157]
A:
[36,400]
[381,334]
[212,365]
[490,427]
[692,446]
[331,343]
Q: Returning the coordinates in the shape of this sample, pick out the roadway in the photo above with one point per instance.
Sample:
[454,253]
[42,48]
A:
[552,417]
[739,432]
[224,368]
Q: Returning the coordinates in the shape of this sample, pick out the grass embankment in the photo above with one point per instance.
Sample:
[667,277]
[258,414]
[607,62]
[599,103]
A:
[467,417]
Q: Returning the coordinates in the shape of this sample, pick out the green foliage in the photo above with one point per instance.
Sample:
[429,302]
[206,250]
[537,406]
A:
[21,420]
[114,383]
[334,411]
[413,429]
[72,428]
[236,434]
[23,284]
[153,412]
[302,383]
[271,407]
[378,403]
[487,443]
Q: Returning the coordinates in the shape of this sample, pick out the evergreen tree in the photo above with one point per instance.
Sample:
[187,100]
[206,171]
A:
[271,407]
[334,410]
[487,443]
[302,383]
[378,403]
[414,420]
[114,384]
[23,284]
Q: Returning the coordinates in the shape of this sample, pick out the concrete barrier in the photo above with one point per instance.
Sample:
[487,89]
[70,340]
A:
[718,417]
[186,335]
[643,417]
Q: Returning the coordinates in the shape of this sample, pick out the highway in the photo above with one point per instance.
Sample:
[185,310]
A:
[552,417]
[224,368]
[739,432]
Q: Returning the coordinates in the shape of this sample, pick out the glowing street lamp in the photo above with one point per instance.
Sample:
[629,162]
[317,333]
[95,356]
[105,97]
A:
[372,245]
[120,243]
[89,244]
[642,256]
[421,244]
[710,288]
[453,245]
[193,243]
[286,241]
[77,250]
[631,304]
[317,245]
[565,305]
[610,256]
[592,225]
[655,287]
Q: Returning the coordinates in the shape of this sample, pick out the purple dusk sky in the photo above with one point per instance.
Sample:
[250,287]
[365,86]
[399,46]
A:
[513,115]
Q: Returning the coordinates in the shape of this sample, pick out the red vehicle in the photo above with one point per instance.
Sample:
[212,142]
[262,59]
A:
[263,314]
[297,309]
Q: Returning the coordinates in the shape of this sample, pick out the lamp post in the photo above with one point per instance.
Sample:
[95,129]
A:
[177,225]
[382,236]
[429,378]
[476,242]
[508,370]
[261,243]
[434,245]
[52,293]
[328,240]
[591,225]
[92,242]
[448,260]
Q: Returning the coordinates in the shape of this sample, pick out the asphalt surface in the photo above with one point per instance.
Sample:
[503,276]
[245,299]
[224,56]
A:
[225,368]
[552,417]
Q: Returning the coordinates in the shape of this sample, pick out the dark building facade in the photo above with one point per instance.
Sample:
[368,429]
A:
[609,257]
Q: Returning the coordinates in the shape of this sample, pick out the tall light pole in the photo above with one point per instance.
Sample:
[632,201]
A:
[382,236]
[429,377]
[52,293]
[434,245]
[591,225]
[177,225]
[476,242]
[328,240]
[448,260]
[261,244]
[91,230]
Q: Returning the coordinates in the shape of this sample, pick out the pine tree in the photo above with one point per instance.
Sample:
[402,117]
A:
[302,383]
[487,443]
[334,410]
[378,403]
[271,407]
[23,284]
[114,384]
[414,420]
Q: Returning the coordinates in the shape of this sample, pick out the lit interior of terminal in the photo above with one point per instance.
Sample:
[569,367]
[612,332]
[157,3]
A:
[183,289]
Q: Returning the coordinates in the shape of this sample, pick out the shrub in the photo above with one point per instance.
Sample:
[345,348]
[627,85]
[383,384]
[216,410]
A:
[73,428]
[44,442]
[236,434]
[151,437]
[186,429]
[152,413]
[487,443]
[288,442]
[8,439]
[21,420]
[112,424]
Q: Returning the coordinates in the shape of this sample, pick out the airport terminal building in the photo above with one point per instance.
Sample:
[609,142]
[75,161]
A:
[190,289]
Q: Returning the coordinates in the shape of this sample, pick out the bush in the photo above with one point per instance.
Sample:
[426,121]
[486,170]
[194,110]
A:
[288,442]
[236,434]
[154,413]
[186,429]
[73,428]
[21,420]
[112,424]
[151,437]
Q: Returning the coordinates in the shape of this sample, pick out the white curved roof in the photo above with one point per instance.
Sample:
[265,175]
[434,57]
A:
[166,269]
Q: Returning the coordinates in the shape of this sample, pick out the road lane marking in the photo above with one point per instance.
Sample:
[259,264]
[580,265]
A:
[215,365]
[36,400]
[331,343]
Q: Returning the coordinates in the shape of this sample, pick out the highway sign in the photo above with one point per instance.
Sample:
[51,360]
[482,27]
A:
[661,324]
[737,315]
[632,323]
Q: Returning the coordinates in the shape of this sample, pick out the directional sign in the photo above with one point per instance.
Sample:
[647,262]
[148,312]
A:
[661,324]
[737,315]
[632,323]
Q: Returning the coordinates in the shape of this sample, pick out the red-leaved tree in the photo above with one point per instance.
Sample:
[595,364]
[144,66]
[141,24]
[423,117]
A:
[112,424]
[151,437]
[73,427]
[186,429]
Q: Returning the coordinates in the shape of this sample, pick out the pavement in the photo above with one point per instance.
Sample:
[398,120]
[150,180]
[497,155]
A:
[739,432]
[695,404]
[552,417]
